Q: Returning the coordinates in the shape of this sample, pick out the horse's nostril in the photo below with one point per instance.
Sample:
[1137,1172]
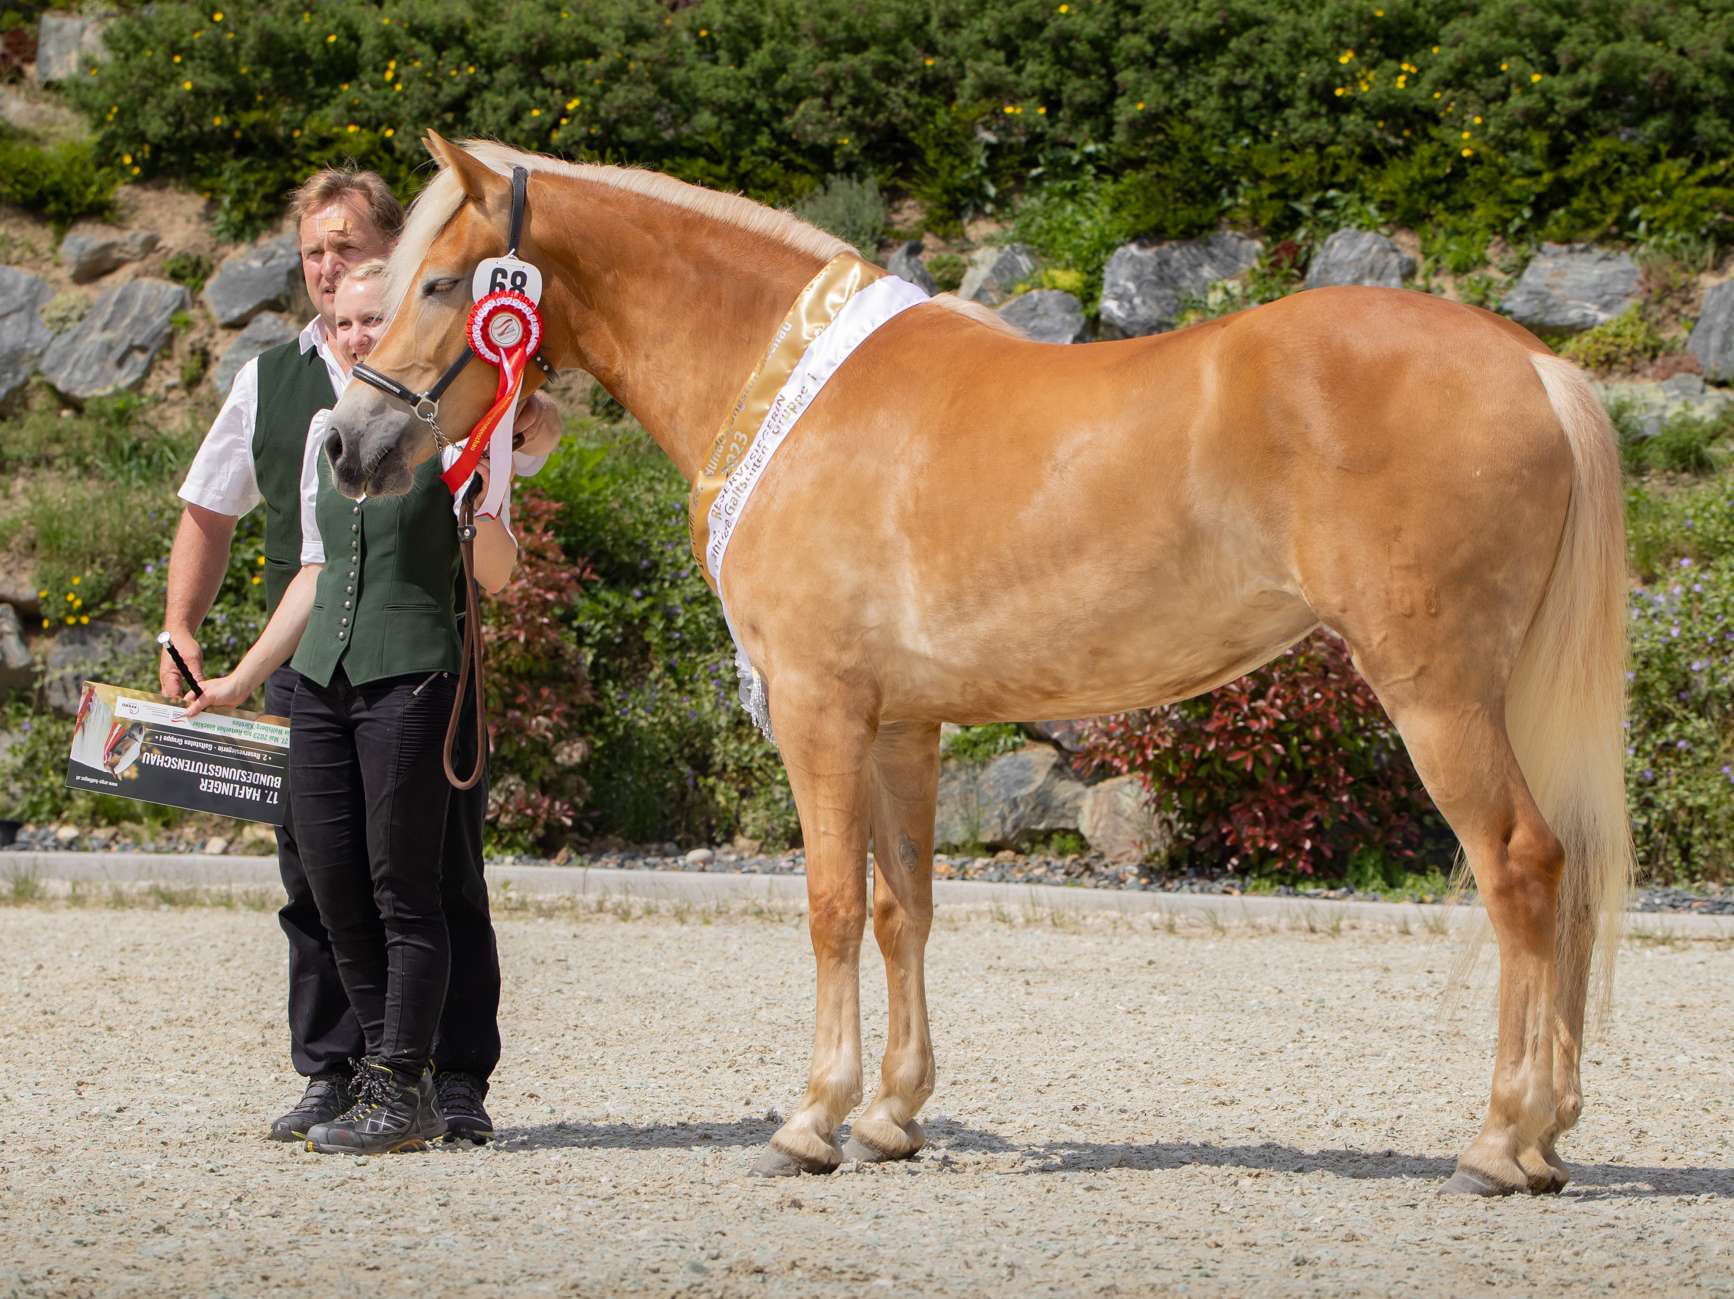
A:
[334,446]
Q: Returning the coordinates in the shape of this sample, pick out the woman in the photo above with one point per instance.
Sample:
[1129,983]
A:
[371,622]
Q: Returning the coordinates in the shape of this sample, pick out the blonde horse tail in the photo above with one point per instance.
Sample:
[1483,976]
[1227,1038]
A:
[1566,703]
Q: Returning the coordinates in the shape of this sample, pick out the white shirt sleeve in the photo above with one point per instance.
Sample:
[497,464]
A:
[222,477]
[527,466]
[312,546]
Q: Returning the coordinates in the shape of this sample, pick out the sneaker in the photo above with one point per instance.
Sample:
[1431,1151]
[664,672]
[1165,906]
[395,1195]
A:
[460,1096]
[393,1111]
[327,1096]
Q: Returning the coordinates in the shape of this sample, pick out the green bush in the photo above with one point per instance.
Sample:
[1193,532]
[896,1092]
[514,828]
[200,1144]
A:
[62,182]
[1626,342]
[853,210]
[1515,118]
[674,755]
[1680,743]
[978,744]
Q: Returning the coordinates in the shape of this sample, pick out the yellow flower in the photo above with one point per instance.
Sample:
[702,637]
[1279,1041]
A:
[398,88]
[389,74]
[69,597]
[927,63]
[83,618]
[351,129]
[217,17]
[126,158]
[1435,94]
[186,85]
[331,39]
[1341,91]
[1042,110]
[1435,49]
[1468,152]
[1065,9]
[571,104]
[77,580]
[1465,135]
[177,58]
[1505,67]
[257,579]
[295,134]
[1402,80]
[1378,13]
[42,595]
[1478,119]
[135,171]
[45,623]
[1140,105]
[344,86]
[471,69]
[564,120]
[703,32]
[1009,110]
[389,132]
[216,121]
[1347,56]
[70,620]
[535,112]
[1534,77]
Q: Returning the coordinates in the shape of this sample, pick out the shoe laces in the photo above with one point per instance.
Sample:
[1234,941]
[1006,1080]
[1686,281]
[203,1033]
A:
[458,1089]
[371,1088]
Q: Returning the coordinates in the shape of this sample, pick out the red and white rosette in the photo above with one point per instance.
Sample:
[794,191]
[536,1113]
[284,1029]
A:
[505,330]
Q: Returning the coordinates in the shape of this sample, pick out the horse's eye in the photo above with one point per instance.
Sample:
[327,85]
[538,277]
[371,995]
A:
[433,288]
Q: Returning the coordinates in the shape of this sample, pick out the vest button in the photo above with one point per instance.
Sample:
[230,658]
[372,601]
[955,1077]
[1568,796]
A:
[347,603]
[349,590]
[339,635]
[344,620]
[355,527]
[356,510]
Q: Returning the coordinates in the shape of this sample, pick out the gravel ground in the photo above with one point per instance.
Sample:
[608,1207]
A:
[1121,1110]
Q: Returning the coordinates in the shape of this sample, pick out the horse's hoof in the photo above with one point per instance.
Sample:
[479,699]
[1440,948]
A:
[1466,1181]
[862,1153]
[778,1163]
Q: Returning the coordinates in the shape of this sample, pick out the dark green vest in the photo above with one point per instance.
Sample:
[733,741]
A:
[293,388]
[384,606]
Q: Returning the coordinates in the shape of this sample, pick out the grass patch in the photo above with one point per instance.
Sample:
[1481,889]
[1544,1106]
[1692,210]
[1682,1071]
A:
[980,744]
[1627,342]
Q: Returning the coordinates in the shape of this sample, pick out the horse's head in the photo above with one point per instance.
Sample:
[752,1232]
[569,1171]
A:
[375,440]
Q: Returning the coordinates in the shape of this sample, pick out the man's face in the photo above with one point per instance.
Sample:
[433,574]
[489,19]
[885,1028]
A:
[357,322]
[333,239]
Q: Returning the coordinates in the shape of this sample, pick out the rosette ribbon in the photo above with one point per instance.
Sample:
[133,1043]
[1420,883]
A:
[505,330]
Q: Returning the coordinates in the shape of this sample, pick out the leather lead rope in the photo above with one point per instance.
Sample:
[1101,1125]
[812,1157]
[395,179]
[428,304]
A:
[471,654]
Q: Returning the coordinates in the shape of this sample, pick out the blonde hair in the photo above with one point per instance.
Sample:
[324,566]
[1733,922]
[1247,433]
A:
[372,270]
[368,188]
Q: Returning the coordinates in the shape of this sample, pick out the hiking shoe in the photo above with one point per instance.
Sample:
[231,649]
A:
[393,1111]
[327,1096]
[459,1096]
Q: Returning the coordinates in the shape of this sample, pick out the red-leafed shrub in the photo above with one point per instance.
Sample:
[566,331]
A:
[1294,768]
[536,685]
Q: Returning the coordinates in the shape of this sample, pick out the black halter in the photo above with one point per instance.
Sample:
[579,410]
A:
[427,404]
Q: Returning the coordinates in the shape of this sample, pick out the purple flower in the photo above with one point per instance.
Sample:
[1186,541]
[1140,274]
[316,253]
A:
[1681,745]
[1685,562]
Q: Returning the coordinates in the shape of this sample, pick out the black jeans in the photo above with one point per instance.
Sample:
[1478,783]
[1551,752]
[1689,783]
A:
[323,1033]
[370,816]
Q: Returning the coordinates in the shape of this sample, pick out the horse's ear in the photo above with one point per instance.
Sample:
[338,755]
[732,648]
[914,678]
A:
[472,175]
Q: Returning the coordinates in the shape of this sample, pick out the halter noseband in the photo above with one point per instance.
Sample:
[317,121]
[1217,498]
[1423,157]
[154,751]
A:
[427,404]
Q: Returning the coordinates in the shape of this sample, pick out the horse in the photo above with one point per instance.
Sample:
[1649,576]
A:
[970,526]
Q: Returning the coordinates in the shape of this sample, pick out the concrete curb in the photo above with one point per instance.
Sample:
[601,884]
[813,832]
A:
[725,888]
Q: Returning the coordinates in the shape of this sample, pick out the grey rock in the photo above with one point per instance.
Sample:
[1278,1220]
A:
[1653,404]
[18,588]
[254,279]
[1359,257]
[906,264]
[994,272]
[1048,316]
[1145,286]
[1067,735]
[262,333]
[65,45]
[91,254]
[23,336]
[1116,820]
[17,668]
[1568,288]
[96,652]
[700,857]
[1712,340]
[1026,792]
[110,349]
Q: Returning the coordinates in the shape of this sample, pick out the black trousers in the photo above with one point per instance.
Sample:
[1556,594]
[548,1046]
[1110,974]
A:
[392,856]
[324,1035]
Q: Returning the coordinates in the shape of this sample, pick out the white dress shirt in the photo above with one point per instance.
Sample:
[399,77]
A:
[223,478]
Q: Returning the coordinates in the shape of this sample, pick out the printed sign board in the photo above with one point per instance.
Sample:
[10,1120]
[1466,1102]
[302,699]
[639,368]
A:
[136,745]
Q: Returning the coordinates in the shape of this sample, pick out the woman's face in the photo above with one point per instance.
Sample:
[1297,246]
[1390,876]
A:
[358,320]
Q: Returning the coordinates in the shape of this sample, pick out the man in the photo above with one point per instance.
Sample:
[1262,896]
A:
[252,455]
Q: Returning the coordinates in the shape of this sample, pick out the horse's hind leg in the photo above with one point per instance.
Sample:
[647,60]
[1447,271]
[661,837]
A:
[1465,758]
[905,789]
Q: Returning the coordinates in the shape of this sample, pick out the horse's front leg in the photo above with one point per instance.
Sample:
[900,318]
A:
[824,732]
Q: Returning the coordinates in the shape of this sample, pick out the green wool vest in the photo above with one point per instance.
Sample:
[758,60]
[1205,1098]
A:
[384,603]
[293,388]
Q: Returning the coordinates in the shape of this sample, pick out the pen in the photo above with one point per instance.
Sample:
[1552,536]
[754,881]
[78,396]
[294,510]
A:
[180,664]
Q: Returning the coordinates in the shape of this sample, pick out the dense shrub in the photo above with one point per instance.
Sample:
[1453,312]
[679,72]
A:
[1680,744]
[1514,117]
[1292,769]
[853,210]
[674,755]
[62,182]
[536,684]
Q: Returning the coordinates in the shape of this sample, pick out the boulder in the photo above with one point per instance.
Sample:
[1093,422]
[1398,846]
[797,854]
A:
[99,651]
[17,668]
[65,45]
[994,272]
[1048,316]
[110,350]
[1712,340]
[1653,404]
[23,336]
[266,275]
[1116,820]
[1029,791]
[91,254]
[1568,288]
[1359,257]
[18,587]
[1145,286]
[1067,735]
[263,332]
[906,264]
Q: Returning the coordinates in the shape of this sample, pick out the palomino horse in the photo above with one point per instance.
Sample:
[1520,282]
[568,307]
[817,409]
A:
[969,526]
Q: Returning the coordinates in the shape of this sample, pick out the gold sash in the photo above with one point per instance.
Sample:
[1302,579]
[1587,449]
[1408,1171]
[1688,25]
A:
[815,308]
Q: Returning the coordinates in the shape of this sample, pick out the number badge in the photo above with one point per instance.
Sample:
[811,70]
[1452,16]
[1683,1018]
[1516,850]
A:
[497,273]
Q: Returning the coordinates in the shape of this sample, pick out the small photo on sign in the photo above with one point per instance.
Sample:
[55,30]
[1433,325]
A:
[137,745]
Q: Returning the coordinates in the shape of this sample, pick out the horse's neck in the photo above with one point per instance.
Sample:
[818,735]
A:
[671,310]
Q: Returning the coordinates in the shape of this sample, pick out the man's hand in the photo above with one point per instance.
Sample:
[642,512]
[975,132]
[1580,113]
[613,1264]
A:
[220,692]
[539,426]
[169,676]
